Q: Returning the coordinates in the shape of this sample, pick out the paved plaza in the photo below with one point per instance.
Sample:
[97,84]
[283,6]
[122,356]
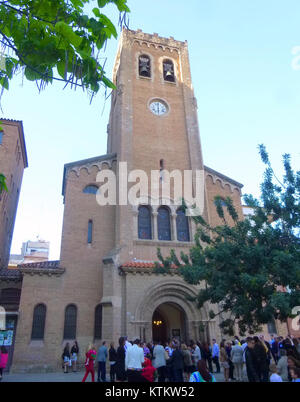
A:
[59,377]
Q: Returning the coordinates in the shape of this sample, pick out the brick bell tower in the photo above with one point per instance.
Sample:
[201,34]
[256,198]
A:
[153,120]
[153,125]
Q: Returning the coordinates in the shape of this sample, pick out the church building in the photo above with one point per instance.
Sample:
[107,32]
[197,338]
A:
[104,286]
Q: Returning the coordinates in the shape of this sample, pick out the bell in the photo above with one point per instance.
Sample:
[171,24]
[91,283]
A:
[144,70]
[169,74]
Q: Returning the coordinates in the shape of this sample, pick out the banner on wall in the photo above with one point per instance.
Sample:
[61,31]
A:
[6,338]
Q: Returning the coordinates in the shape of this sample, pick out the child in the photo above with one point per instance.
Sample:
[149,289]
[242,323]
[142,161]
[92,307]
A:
[148,370]
[295,374]
[3,360]
[274,377]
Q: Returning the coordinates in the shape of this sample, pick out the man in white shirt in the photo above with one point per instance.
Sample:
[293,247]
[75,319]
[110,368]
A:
[133,362]
[127,344]
[215,355]
[196,354]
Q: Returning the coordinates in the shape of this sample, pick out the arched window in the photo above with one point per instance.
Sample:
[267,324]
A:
[182,226]
[38,323]
[70,322]
[91,189]
[144,223]
[144,66]
[168,70]
[163,224]
[98,322]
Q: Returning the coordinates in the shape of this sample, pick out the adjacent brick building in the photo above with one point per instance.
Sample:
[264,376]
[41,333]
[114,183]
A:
[13,161]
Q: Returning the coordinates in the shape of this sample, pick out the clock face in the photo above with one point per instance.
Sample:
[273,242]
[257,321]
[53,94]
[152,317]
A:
[158,108]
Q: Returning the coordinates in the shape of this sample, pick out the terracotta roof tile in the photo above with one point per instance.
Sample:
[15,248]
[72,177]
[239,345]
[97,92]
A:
[6,273]
[41,264]
[142,264]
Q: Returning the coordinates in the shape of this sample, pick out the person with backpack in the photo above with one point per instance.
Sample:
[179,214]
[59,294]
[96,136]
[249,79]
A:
[90,357]
[202,374]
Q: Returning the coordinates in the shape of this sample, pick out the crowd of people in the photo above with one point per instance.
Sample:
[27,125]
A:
[276,360]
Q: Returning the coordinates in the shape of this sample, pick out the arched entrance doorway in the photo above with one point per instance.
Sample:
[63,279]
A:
[169,321]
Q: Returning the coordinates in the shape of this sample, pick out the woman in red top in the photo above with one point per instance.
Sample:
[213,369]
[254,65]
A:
[3,360]
[148,370]
[89,362]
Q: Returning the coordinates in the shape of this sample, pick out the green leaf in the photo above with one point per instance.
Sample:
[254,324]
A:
[108,83]
[61,68]
[32,75]
[67,32]
[122,6]
[102,3]
[110,26]
[41,38]
[96,12]
[4,82]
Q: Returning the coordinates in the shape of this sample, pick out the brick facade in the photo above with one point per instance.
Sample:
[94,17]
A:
[98,272]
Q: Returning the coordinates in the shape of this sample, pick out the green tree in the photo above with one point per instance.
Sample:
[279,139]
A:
[251,268]
[54,40]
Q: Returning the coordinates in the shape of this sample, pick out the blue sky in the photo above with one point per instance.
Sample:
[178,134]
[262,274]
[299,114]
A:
[247,91]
